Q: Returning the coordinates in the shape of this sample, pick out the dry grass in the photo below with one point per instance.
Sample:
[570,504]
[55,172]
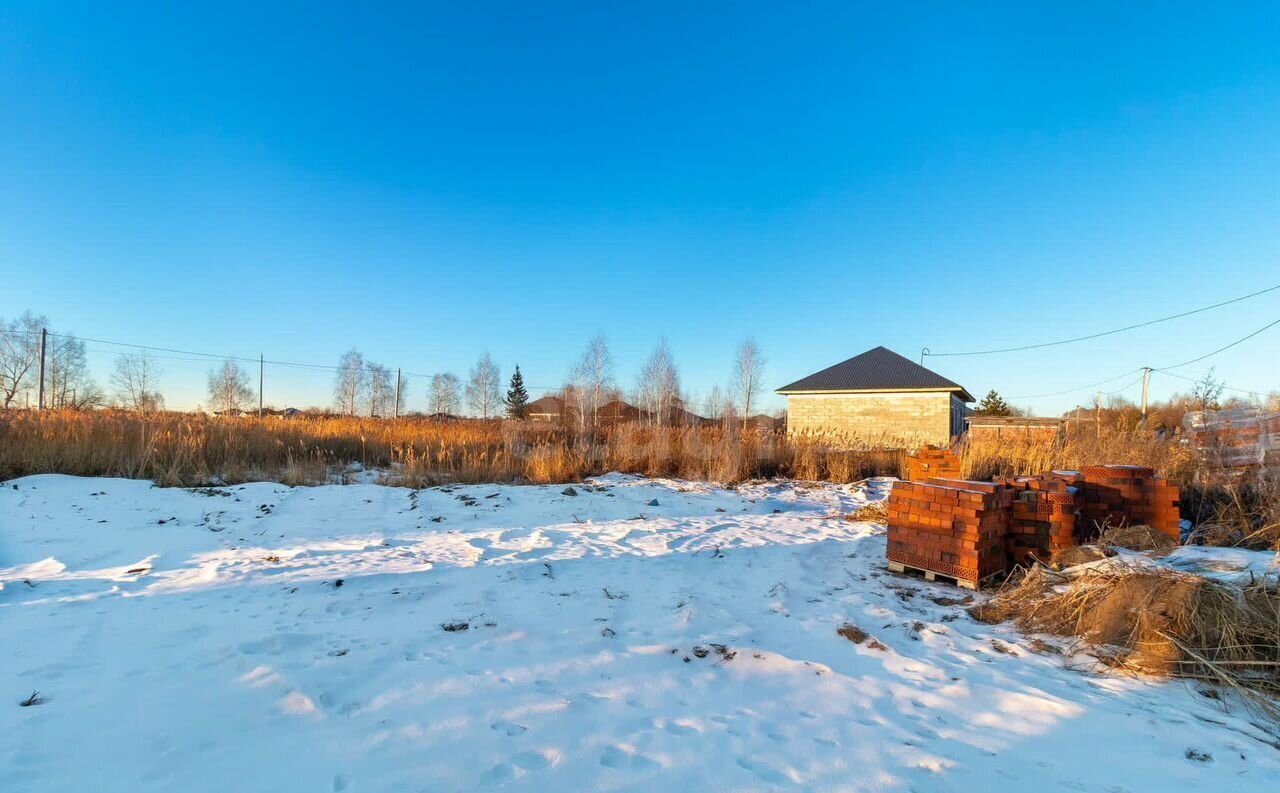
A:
[189,449]
[1072,555]
[1238,511]
[875,512]
[1137,538]
[1157,621]
[989,457]
[193,449]
[1134,538]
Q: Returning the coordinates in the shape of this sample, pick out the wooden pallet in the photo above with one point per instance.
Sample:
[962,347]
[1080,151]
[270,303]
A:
[930,575]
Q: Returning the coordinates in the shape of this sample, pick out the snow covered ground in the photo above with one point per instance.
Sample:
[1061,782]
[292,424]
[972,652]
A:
[639,635]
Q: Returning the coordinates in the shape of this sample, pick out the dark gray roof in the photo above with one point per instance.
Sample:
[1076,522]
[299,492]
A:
[547,404]
[879,369]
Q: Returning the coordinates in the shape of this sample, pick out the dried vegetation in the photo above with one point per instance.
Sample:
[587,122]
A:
[1158,621]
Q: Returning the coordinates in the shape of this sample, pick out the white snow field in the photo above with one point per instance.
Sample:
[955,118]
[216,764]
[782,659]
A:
[369,638]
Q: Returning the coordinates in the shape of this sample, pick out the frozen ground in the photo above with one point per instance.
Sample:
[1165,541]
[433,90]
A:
[367,638]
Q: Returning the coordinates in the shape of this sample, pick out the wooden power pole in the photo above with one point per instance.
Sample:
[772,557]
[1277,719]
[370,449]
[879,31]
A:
[44,339]
[397,407]
[261,363]
[1146,379]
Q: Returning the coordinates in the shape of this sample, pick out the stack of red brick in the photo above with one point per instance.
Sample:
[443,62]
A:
[932,462]
[950,527]
[1044,516]
[1130,495]
[971,530]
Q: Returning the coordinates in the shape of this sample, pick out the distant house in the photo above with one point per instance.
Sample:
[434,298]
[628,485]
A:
[616,411]
[548,408]
[878,395]
[761,421]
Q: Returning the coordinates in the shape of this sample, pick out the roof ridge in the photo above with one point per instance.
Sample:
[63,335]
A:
[877,369]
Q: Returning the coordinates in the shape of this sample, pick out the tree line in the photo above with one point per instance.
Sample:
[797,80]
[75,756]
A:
[362,387]
[366,388]
[590,385]
[68,383]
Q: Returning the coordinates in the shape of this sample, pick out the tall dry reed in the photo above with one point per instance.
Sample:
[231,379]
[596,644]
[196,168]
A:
[194,449]
[983,458]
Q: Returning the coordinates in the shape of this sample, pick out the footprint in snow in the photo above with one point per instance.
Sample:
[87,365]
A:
[508,727]
[766,772]
[621,758]
[534,761]
[681,728]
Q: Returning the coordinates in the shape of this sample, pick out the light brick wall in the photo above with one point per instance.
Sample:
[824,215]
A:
[911,418]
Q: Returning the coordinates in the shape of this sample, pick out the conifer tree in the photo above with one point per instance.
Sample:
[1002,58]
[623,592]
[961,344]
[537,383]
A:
[517,400]
[994,405]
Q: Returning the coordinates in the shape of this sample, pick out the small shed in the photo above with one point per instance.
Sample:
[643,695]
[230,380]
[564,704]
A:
[1016,427]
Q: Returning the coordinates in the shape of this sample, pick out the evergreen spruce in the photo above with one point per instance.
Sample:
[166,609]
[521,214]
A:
[994,405]
[517,397]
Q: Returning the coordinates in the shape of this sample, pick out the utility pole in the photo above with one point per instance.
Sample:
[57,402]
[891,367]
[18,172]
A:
[1097,414]
[1146,379]
[261,363]
[44,339]
[397,407]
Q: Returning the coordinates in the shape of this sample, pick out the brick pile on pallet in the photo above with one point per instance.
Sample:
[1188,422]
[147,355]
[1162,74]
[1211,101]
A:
[956,530]
[932,462]
[971,530]
[1130,495]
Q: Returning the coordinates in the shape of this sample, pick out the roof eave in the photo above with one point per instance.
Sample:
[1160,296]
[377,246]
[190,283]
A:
[959,391]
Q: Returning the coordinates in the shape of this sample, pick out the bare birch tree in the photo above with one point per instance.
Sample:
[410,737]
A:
[484,387]
[19,356]
[445,394]
[658,389]
[229,389]
[68,384]
[591,382]
[351,382]
[748,377]
[381,390]
[713,408]
[135,382]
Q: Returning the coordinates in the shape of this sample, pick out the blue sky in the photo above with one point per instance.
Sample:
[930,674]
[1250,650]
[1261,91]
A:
[427,182]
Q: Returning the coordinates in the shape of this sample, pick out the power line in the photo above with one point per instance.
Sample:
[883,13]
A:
[1080,388]
[1162,370]
[155,349]
[1251,392]
[1220,349]
[1123,388]
[1104,333]
[219,357]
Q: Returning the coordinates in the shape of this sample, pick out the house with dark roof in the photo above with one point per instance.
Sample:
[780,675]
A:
[548,408]
[880,397]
